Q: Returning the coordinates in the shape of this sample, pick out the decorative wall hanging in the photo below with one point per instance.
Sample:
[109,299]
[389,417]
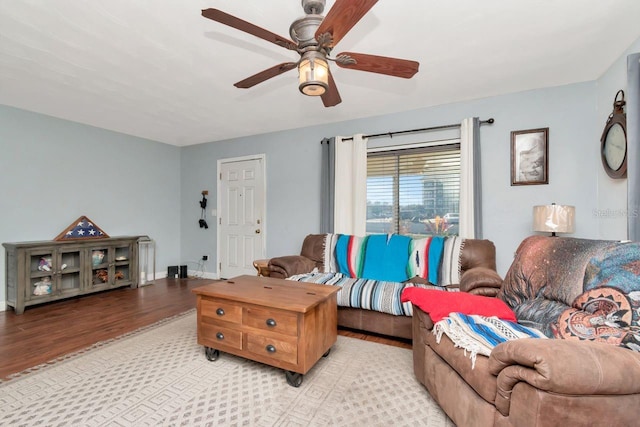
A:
[530,156]
[81,229]
[202,222]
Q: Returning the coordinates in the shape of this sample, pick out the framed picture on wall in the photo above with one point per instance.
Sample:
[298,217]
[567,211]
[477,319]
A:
[530,156]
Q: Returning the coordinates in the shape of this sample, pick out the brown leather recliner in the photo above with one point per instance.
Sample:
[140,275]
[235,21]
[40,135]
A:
[477,269]
[547,382]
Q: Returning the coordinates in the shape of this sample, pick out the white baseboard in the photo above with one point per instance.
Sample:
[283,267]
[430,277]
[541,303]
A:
[3,306]
[205,275]
[190,273]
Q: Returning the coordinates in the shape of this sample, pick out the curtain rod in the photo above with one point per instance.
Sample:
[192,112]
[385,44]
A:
[390,134]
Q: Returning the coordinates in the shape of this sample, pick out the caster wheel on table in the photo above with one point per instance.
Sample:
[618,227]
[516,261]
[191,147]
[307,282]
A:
[326,353]
[211,353]
[294,379]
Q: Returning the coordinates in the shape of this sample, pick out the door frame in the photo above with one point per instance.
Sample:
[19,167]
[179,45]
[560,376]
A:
[263,158]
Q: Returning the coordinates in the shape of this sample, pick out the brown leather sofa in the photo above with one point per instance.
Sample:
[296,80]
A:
[581,293]
[477,268]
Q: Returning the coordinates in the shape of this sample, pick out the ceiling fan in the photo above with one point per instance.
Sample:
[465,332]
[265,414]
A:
[314,37]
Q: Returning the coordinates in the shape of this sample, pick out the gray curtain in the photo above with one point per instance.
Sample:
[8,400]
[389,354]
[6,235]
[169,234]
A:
[327,185]
[477,180]
[632,97]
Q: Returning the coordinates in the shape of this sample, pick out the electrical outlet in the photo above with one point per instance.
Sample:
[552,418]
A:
[205,257]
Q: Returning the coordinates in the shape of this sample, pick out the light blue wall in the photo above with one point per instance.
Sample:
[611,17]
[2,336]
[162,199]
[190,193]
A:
[293,170]
[54,171]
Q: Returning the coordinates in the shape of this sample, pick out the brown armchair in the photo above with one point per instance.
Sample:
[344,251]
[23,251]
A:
[311,256]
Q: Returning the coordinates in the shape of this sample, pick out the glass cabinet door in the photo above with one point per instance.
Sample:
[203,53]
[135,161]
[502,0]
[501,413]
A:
[122,264]
[41,273]
[99,258]
[69,271]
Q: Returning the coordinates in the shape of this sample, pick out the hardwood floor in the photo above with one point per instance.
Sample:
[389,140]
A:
[46,332]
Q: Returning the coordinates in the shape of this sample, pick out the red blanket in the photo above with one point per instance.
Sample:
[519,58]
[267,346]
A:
[438,304]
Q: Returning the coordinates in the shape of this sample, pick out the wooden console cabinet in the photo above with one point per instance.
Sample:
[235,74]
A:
[39,272]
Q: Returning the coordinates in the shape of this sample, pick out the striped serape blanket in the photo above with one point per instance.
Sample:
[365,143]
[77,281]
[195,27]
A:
[394,258]
[480,334]
[376,295]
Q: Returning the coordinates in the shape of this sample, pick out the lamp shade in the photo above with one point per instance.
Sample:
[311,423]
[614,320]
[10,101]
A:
[554,218]
[313,74]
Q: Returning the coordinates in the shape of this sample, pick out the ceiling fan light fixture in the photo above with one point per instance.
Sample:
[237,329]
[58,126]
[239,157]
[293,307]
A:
[313,74]
[313,37]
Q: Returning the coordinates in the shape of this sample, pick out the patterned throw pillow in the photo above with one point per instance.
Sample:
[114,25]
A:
[602,315]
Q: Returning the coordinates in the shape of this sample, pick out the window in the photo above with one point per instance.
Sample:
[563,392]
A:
[414,191]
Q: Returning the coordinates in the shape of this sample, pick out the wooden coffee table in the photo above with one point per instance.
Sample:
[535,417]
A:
[281,323]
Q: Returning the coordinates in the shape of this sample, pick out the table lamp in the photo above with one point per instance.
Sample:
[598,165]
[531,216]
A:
[554,218]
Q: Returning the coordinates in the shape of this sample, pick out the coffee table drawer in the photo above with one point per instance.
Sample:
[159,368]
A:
[282,322]
[281,348]
[223,310]
[217,336]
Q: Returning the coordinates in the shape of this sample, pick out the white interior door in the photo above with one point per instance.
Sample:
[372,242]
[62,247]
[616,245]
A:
[241,207]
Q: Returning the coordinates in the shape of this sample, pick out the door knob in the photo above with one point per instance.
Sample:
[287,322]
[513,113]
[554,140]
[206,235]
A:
[258,231]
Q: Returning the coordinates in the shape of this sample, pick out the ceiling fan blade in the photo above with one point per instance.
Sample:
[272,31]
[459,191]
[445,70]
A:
[266,74]
[378,64]
[331,97]
[342,17]
[239,24]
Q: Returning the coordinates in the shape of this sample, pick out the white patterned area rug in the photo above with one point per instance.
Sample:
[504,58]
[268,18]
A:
[160,376]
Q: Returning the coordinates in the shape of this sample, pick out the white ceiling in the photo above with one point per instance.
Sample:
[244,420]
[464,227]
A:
[157,69]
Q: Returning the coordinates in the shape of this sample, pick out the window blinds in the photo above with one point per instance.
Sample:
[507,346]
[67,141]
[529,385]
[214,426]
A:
[414,191]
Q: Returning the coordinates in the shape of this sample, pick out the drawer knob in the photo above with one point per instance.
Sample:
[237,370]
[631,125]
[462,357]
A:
[271,322]
[220,335]
[220,312]
[271,349]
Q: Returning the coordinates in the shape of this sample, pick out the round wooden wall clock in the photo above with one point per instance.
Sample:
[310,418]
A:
[613,146]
